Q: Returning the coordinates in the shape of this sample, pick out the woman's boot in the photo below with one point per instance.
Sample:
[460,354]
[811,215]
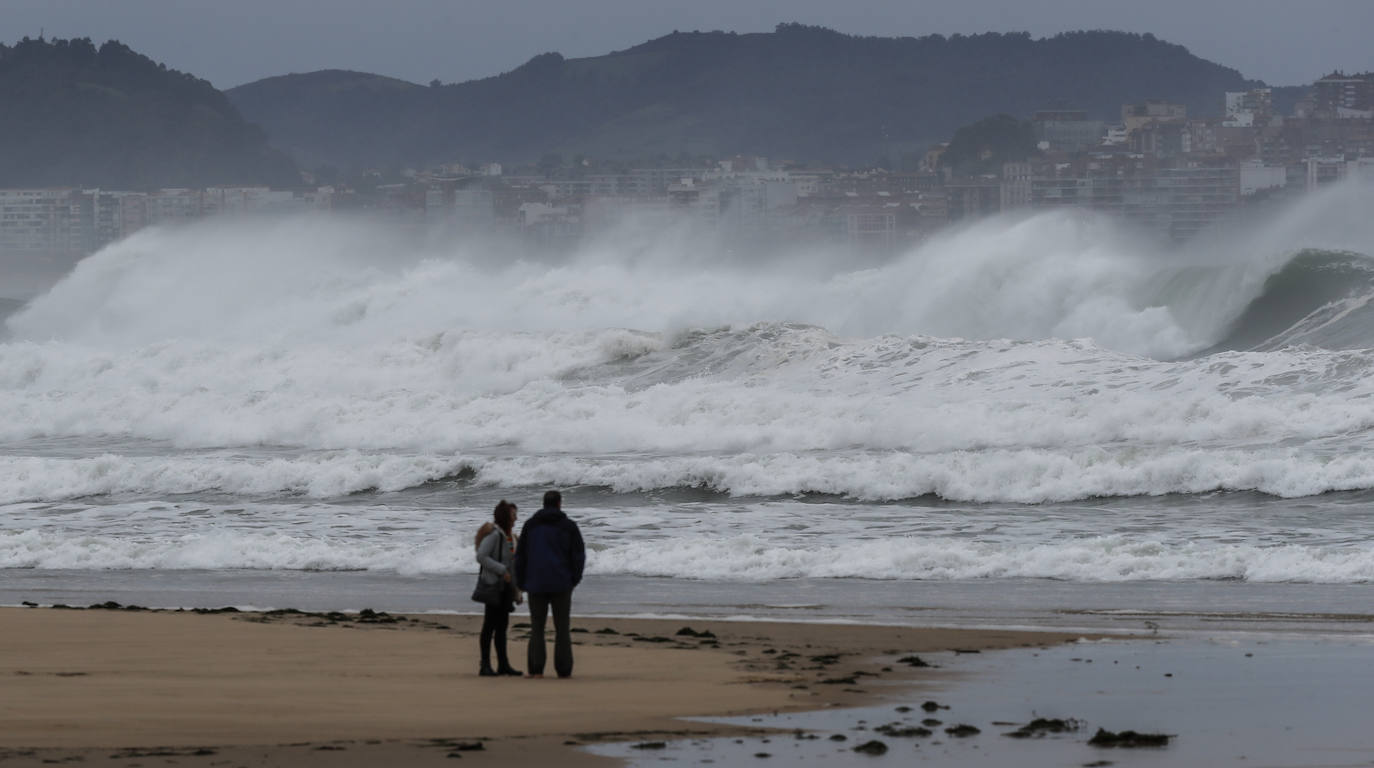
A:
[503,666]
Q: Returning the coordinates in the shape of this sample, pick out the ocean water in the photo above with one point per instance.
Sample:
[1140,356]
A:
[1049,406]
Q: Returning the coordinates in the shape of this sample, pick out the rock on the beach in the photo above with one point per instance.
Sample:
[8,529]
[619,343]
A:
[962,729]
[874,747]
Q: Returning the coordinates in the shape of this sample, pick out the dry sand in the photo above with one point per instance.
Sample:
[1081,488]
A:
[306,689]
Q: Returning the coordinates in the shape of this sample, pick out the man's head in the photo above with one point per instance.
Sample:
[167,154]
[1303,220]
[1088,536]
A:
[553,500]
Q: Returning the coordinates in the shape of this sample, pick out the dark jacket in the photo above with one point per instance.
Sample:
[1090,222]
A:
[550,555]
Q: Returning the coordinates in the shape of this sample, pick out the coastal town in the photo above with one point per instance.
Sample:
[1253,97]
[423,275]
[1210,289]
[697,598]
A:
[1166,173]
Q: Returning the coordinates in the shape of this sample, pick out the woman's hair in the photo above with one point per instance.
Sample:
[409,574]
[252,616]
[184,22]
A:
[504,515]
[482,533]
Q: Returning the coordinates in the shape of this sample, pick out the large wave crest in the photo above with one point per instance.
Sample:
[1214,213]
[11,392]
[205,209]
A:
[1027,359]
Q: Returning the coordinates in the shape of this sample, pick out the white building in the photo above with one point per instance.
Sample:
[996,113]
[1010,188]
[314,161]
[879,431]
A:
[42,221]
[1246,109]
[699,201]
[1255,176]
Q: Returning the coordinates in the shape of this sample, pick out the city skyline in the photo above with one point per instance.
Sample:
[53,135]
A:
[420,40]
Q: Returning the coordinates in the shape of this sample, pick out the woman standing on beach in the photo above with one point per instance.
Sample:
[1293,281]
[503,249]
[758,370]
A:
[496,555]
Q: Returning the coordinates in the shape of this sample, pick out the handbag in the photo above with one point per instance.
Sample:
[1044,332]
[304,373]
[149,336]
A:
[488,594]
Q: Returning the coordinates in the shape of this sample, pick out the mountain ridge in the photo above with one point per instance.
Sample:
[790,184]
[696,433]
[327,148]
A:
[110,117]
[804,93]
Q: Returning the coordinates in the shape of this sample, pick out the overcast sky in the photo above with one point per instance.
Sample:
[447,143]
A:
[231,42]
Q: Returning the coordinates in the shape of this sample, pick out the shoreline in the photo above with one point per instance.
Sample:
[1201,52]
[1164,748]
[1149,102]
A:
[1085,607]
[295,688]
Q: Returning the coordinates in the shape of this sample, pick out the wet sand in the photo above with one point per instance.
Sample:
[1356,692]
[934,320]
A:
[1231,699]
[161,688]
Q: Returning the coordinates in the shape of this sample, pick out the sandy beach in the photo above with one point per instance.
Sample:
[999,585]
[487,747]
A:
[284,688]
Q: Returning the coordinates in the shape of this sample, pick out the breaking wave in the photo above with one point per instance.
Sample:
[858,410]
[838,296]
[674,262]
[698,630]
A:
[277,285]
[1043,358]
[1023,476]
[740,558]
[1321,298]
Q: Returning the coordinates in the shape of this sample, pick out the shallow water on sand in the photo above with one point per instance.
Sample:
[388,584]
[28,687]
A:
[1239,699]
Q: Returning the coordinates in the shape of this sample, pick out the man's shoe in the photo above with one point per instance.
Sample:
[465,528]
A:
[509,670]
[535,677]
[486,671]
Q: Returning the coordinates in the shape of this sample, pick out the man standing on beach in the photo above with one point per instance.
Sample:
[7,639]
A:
[548,565]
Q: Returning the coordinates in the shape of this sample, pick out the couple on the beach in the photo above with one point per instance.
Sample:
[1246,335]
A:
[543,566]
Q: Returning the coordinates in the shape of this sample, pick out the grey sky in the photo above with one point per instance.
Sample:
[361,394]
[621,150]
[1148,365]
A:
[230,42]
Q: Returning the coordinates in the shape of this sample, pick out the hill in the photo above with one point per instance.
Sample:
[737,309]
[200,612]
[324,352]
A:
[799,92]
[78,115]
[344,119]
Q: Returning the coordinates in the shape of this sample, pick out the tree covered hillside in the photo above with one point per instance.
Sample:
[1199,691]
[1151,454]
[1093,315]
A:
[803,93]
[78,115]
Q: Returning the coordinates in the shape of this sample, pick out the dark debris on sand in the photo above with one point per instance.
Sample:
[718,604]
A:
[1040,726]
[330,618]
[962,730]
[901,730]
[1105,738]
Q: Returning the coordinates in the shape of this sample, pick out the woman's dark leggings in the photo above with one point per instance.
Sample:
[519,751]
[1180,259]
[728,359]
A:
[494,623]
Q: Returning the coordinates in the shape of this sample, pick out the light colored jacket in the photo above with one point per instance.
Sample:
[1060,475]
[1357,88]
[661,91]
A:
[495,557]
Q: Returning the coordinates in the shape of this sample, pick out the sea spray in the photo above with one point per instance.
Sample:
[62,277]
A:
[329,394]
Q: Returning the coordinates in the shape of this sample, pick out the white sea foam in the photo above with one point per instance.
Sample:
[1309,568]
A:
[1022,476]
[994,475]
[761,410]
[219,550]
[29,478]
[1098,558]
[740,558]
